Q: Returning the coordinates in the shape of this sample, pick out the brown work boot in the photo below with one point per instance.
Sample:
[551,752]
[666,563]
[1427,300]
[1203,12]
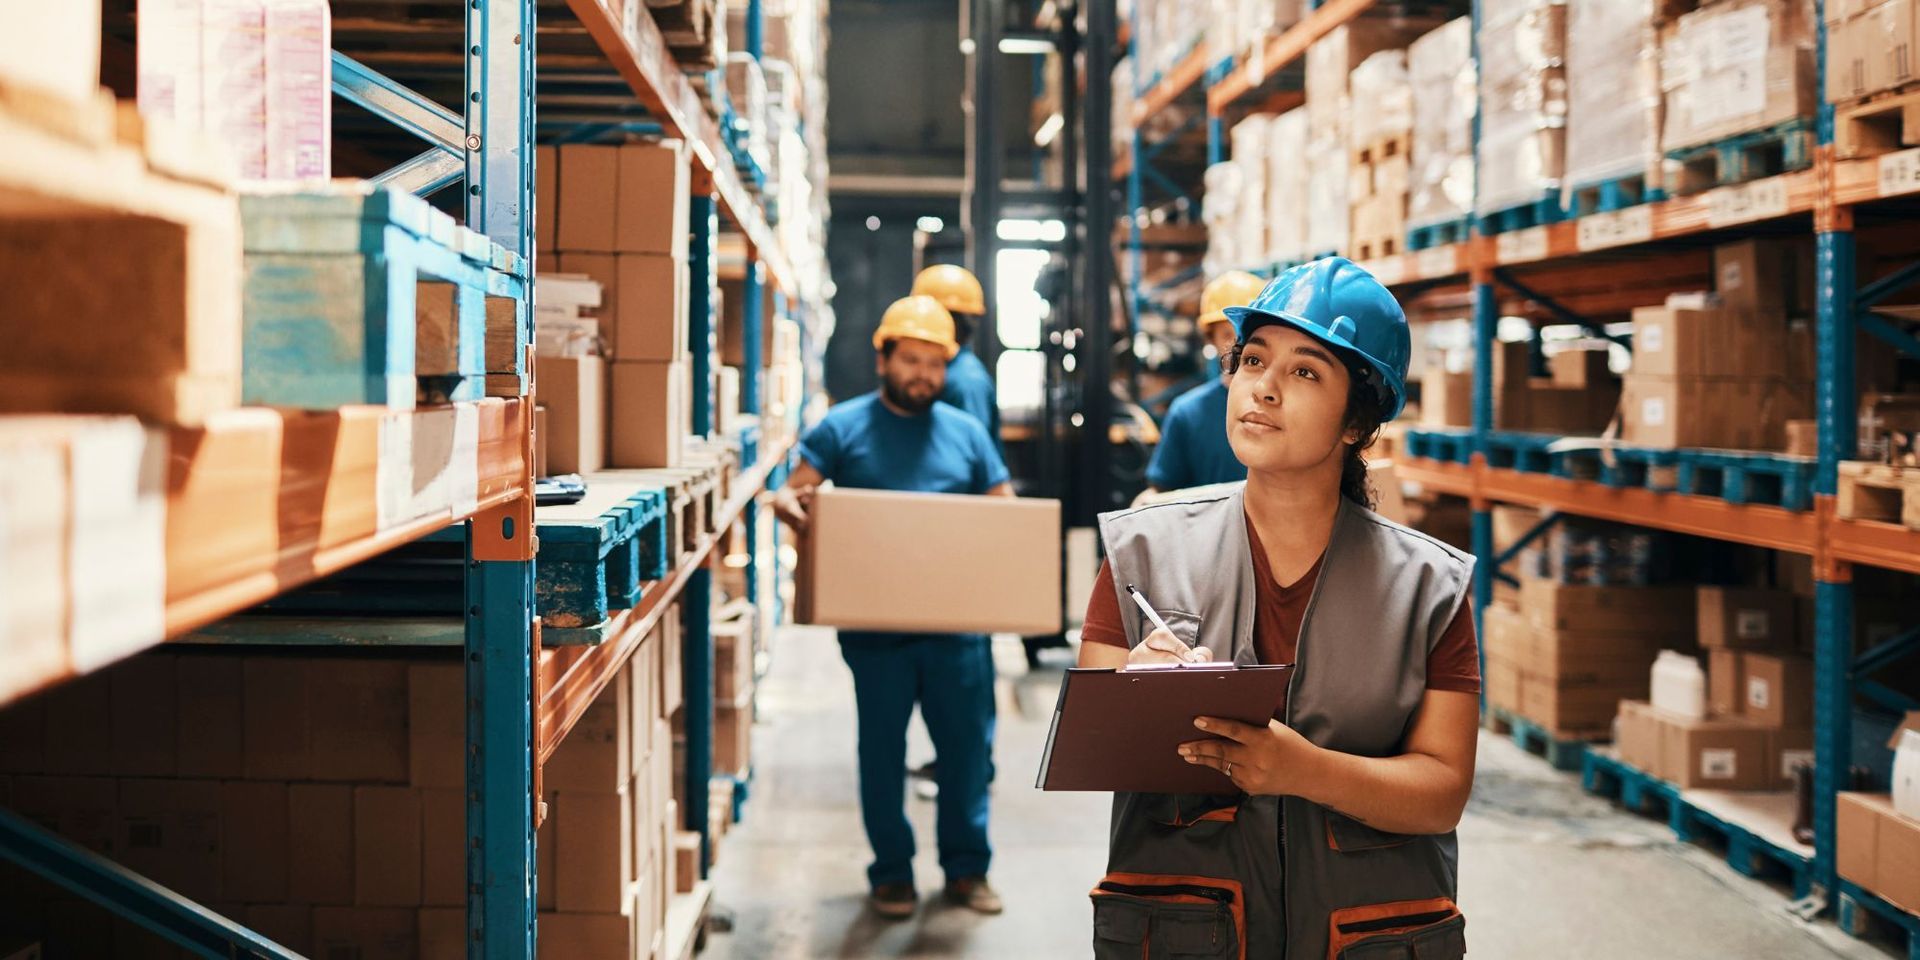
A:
[974,894]
[895,901]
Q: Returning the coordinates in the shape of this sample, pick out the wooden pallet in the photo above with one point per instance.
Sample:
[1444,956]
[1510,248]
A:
[1385,147]
[1865,916]
[1439,234]
[1874,491]
[1778,149]
[1618,193]
[1539,211]
[1879,124]
[1561,752]
[1747,826]
[367,295]
[1373,248]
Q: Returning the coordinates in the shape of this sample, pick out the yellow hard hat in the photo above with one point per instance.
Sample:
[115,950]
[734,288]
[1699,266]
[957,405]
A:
[956,288]
[1235,288]
[917,318]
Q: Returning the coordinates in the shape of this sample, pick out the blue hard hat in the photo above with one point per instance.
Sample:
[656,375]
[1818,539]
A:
[1337,302]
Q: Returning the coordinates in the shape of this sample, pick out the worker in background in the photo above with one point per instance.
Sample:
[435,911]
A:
[901,438]
[1340,840]
[1193,449]
[969,386]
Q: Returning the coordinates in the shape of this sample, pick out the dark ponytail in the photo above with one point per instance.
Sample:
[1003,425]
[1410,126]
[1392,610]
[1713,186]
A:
[1365,411]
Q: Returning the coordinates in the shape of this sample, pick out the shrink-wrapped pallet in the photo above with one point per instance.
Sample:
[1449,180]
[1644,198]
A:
[1382,93]
[1249,145]
[1287,187]
[1442,74]
[1326,197]
[1613,93]
[1523,102]
[1220,210]
[1330,62]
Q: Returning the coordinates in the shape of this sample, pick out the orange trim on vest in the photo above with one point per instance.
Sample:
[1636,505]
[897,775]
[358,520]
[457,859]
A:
[1239,907]
[1338,940]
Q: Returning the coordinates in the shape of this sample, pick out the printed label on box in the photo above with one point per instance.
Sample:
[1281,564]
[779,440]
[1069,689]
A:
[1719,764]
[1759,200]
[1521,246]
[1752,624]
[1900,173]
[1653,411]
[1439,262]
[1652,338]
[1791,760]
[1602,230]
[1759,693]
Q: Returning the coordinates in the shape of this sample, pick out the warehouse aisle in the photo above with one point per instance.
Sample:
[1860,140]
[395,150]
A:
[1546,869]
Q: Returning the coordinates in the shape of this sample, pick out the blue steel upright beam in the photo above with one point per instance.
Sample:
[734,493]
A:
[497,143]
[704,283]
[696,601]
[1486,322]
[1835,288]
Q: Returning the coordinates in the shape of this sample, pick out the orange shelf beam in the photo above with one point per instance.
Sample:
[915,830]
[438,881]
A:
[1887,545]
[1183,77]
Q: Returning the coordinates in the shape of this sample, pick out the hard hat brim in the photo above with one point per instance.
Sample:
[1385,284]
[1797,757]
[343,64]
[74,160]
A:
[1247,319]
[1209,319]
[952,349]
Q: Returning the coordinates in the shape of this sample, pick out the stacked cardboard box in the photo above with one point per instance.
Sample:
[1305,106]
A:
[1249,139]
[1720,371]
[322,800]
[1330,64]
[1286,188]
[1758,723]
[1441,71]
[1877,848]
[1732,67]
[1379,145]
[1572,652]
[1523,102]
[1869,47]
[622,219]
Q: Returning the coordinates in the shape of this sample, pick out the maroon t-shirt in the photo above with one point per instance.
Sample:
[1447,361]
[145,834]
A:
[1453,664]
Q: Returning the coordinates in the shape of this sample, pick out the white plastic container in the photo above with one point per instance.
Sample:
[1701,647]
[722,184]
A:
[1906,774]
[1679,685]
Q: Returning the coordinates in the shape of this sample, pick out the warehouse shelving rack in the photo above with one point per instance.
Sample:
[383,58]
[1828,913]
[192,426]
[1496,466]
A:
[1822,199]
[522,698]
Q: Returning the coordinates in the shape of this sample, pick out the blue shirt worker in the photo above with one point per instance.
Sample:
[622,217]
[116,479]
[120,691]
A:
[969,385]
[901,438]
[1193,450]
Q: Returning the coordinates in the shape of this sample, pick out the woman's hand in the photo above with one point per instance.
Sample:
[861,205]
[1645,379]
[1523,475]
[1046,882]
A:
[1274,760]
[1162,646]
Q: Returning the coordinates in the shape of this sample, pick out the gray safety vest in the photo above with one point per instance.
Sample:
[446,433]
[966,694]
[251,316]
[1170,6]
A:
[1276,876]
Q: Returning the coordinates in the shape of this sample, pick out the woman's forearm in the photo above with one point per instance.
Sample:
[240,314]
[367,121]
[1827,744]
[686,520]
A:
[1410,793]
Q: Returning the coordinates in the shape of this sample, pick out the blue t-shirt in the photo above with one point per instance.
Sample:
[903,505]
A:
[970,388]
[1193,450]
[864,445]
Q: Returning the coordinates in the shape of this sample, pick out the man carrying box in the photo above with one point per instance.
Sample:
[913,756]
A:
[900,438]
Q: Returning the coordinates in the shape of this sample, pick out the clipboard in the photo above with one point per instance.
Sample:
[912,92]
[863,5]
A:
[1120,730]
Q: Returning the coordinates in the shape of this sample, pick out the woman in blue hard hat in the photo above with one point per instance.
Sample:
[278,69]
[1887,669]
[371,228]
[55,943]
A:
[1338,840]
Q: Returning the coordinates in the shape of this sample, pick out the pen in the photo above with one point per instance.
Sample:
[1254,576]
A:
[1141,600]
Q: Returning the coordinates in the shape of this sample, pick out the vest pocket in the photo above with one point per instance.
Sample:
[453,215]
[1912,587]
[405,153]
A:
[1149,917]
[1185,626]
[1409,930]
[1347,835]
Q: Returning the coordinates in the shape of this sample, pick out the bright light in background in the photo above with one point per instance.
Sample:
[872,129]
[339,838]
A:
[1020,312]
[1028,46]
[1043,137]
[873,223]
[1032,231]
[1021,376]
[930,224]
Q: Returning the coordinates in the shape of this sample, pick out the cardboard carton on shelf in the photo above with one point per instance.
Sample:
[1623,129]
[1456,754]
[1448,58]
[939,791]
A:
[1708,341]
[1722,754]
[1446,399]
[1740,414]
[573,392]
[650,413]
[1877,848]
[1652,612]
[867,556]
[1745,618]
[1778,689]
[629,198]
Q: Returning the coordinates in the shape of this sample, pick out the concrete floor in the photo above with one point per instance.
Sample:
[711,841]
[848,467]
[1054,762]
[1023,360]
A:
[1546,870]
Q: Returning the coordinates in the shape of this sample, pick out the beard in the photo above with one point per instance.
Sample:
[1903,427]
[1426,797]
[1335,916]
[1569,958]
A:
[899,394]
